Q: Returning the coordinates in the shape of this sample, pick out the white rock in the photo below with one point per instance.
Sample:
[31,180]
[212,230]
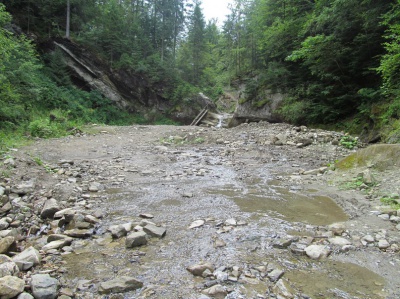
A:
[317,251]
[196,224]
[339,241]
[383,244]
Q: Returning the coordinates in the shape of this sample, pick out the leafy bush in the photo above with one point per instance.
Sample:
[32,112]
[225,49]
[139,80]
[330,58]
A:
[349,142]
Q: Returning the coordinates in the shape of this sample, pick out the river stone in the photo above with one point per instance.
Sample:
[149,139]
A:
[25,296]
[24,188]
[282,243]
[198,269]
[317,251]
[383,244]
[95,187]
[196,224]
[57,237]
[11,286]
[91,219]
[5,244]
[216,291]
[57,244]
[50,208]
[275,274]
[339,241]
[135,239]
[368,239]
[281,289]
[67,213]
[120,285]
[230,222]
[2,190]
[7,266]
[5,208]
[337,228]
[398,226]
[117,231]
[44,286]
[27,259]
[155,231]
[4,224]
[79,233]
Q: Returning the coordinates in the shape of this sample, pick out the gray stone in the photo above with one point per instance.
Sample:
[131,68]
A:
[25,296]
[27,259]
[44,286]
[91,219]
[216,291]
[50,208]
[275,274]
[198,269]
[5,244]
[337,228]
[317,251]
[368,239]
[5,208]
[298,248]
[312,172]
[24,188]
[57,237]
[62,213]
[155,231]
[368,178]
[395,219]
[120,285]
[57,244]
[197,223]
[135,239]
[339,241]
[117,231]
[282,290]
[95,187]
[398,226]
[383,244]
[2,190]
[79,233]
[230,222]
[11,286]
[385,217]
[4,224]
[146,216]
[7,266]
[282,243]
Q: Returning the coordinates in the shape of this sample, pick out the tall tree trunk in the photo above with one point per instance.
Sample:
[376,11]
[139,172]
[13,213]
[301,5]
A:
[68,19]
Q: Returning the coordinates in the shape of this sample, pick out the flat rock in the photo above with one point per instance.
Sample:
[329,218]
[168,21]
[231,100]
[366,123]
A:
[11,286]
[5,243]
[275,275]
[368,239]
[383,244]
[155,231]
[117,231]
[282,290]
[146,216]
[317,252]
[64,212]
[198,269]
[282,243]
[337,228]
[79,233]
[120,285]
[24,188]
[216,291]
[50,208]
[197,223]
[339,241]
[136,239]
[230,222]
[27,259]
[57,244]
[44,286]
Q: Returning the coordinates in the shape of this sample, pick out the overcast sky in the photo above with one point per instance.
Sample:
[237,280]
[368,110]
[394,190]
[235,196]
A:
[215,9]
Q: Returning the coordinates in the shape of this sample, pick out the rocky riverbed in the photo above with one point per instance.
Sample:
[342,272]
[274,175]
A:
[257,211]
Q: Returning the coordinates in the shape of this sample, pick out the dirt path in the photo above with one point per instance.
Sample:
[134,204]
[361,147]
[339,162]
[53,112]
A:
[257,210]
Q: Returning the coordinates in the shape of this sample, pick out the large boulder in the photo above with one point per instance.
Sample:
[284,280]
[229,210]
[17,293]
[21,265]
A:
[27,258]
[11,286]
[136,239]
[44,286]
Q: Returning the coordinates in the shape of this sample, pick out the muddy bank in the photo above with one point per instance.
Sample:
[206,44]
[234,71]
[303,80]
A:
[260,198]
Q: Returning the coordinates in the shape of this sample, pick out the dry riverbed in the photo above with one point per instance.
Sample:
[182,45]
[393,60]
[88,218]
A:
[256,211]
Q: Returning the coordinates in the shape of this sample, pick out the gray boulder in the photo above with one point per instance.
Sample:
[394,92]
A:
[25,296]
[44,286]
[155,231]
[317,252]
[198,269]
[7,266]
[27,259]
[120,285]
[117,231]
[50,208]
[5,243]
[136,239]
[11,286]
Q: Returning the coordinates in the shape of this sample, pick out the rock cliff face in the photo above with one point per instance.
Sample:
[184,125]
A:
[251,111]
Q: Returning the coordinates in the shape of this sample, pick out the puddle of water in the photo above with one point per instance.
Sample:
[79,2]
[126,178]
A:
[281,203]
[337,278]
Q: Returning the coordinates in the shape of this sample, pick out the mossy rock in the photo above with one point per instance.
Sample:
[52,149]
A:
[381,156]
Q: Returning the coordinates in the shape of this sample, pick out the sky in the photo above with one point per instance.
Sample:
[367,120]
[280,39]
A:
[215,9]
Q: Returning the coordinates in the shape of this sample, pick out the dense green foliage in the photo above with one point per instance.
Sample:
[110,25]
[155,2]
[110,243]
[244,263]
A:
[336,61]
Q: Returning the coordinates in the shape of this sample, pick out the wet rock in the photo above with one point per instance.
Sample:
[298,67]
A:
[11,286]
[120,285]
[117,231]
[57,244]
[282,290]
[27,259]
[317,252]
[383,244]
[196,224]
[282,243]
[50,208]
[136,239]
[7,266]
[44,286]
[155,231]
[339,241]
[337,228]
[198,269]
[79,233]
[216,291]
[275,274]
[5,243]
[146,216]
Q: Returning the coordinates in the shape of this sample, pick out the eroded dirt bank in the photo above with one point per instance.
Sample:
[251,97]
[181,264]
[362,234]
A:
[260,204]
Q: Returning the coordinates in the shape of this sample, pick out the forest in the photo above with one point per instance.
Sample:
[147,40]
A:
[336,61]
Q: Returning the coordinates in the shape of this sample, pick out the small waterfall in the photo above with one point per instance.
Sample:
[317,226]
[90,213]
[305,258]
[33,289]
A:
[220,118]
